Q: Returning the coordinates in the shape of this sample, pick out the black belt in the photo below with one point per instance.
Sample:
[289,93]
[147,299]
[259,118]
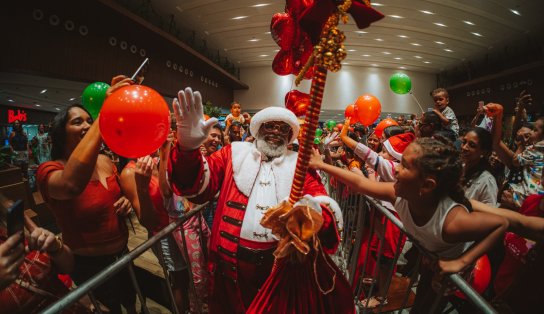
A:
[257,257]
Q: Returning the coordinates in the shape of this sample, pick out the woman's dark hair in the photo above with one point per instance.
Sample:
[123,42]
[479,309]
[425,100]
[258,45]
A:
[442,161]
[393,130]
[58,131]
[431,118]
[485,142]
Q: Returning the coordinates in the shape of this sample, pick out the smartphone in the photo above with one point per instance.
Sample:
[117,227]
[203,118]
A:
[429,109]
[142,69]
[16,218]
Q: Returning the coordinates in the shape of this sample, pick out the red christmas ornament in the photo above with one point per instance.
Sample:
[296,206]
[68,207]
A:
[134,121]
[297,102]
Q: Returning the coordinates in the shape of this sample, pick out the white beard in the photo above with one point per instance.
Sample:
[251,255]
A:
[271,151]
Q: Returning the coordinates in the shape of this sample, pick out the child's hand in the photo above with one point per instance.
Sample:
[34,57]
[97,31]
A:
[493,110]
[345,127]
[315,160]
[452,266]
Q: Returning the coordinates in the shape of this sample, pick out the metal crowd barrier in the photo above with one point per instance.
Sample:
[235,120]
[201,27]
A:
[125,261]
[364,218]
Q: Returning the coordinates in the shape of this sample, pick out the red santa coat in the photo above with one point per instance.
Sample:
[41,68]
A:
[233,170]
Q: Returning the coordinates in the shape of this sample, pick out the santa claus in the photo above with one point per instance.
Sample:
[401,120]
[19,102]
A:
[251,178]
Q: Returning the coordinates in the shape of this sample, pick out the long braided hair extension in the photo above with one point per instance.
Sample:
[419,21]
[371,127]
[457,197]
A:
[442,160]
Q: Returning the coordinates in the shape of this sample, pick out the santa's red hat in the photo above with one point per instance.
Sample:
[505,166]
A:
[396,145]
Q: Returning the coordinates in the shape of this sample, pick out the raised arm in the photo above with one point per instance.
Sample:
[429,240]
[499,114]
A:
[380,190]
[504,153]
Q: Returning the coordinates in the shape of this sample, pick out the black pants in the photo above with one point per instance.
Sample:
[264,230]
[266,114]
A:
[115,291]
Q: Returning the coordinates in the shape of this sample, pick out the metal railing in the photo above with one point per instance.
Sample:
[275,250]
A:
[119,265]
[365,219]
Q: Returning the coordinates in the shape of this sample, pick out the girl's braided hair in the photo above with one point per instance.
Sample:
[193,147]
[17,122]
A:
[442,160]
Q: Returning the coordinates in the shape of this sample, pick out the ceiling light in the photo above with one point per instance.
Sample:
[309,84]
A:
[10,100]
[43,91]
[415,44]
[396,16]
[378,39]
[402,36]
[37,105]
[72,99]
[254,39]
[57,108]
[263,55]
[427,62]
[404,68]
[468,22]
[439,42]
[258,5]
[345,63]
[238,17]
[398,58]
[276,50]
[365,55]
[426,12]
[351,50]
[375,65]
[418,57]
[448,50]
[440,24]
[386,53]
[268,33]
[516,12]
[477,34]
[360,32]
[376,4]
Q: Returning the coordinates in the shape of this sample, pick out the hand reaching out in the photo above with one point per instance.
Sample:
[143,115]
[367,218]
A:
[11,258]
[315,160]
[41,239]
[192,128]
[117,82]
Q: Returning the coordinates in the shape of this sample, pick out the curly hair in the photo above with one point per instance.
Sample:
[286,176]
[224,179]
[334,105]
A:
[442,160]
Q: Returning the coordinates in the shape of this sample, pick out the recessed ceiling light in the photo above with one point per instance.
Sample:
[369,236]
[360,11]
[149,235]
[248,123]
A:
[37,105]
[440,24]
[418,57]
[360,32]
[375,65]
[426,12]
[365,55]
[415,44]
[11,100]
[404,68]
[238,17]
[254,39]
[72,99]
[468,22]
[398,58]
[351,50]
[448,50]
[386,52]
[516,12]
[378,39]
[427,62]
[345,63]
[43,91]
[477,34]
[376,4]
[57,108]
[396,16]
[268,33]
[439,42]
[258,5]
[263,55]
[402,36]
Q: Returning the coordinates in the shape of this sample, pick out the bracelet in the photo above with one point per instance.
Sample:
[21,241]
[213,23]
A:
[60,247]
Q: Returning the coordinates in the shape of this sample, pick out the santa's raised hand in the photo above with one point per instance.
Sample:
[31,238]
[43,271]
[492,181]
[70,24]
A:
[192,128]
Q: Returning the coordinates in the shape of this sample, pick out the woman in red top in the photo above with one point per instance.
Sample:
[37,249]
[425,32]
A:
[81,189]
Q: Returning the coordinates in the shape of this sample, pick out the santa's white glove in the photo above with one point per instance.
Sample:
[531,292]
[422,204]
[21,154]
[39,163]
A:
[192,129]
[308,200]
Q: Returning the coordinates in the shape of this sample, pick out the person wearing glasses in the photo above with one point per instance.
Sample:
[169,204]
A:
[251,178]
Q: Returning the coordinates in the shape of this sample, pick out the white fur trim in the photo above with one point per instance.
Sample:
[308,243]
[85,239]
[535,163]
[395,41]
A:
[205,180]
[246,163]
[392,151]
[308,200]
[334,207]
[275,114]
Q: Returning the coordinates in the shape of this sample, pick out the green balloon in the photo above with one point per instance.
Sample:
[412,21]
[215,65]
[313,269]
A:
[400,83]
[317,141]
[93,97]
[331,124]
[318,132]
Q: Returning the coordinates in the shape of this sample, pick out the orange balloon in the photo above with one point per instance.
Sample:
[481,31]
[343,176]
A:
[352,113]
[339,126]
[382,125]
[206,117]
[368,109]
[134,121]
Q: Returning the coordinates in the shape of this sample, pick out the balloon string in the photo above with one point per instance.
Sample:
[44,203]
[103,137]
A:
[414,97]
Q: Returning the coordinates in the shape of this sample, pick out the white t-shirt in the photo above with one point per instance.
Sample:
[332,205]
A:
[483,189]
[430,234]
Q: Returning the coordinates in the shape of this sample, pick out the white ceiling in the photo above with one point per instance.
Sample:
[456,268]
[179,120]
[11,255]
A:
[407,38]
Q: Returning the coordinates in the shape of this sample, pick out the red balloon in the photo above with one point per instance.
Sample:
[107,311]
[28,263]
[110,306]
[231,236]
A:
[382,125]
[481,276]
[352,113]
[297,102]
[340,126]
[134,121]
[368,109]
[283,62]
[282,28]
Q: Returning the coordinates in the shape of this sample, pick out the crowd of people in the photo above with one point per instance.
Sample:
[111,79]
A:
[461,193]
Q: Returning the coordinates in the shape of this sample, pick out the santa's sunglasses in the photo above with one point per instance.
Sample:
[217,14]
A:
[283,128]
